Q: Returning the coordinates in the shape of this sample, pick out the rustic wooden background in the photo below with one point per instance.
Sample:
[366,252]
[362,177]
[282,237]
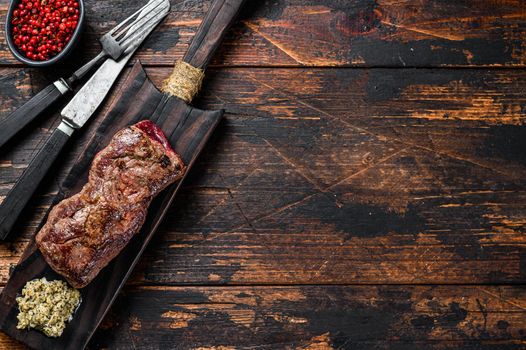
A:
[367,188]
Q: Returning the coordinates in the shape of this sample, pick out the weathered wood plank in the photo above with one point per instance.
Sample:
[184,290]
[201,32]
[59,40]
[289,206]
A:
[299,317]
[331,33]
[315,178]
[314,317]
[336,183]
[472,115]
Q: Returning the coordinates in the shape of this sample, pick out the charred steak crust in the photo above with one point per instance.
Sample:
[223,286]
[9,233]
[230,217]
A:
[85,232]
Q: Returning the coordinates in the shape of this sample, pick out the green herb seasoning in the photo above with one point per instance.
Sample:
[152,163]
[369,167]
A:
[47,306]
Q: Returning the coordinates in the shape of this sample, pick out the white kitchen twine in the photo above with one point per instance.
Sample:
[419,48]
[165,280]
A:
[185,81]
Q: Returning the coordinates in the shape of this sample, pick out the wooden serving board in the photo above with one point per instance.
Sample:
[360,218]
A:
[188,130]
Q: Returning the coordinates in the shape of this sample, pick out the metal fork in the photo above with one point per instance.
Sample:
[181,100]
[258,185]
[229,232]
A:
[121,39]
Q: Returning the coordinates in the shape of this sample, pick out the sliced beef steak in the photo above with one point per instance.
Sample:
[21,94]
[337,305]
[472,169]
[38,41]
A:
[85,232]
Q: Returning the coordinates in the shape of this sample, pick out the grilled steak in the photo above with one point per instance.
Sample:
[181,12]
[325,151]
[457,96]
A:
[85,232]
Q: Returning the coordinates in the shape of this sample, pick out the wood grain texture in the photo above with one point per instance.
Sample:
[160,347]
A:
[212,30]
[315,317]
[330,33]
[298,317]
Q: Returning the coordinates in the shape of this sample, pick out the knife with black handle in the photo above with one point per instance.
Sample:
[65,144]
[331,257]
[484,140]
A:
[16,121]
[76,113]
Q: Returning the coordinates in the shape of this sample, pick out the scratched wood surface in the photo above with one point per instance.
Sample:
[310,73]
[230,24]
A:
[380,203]
[333,32]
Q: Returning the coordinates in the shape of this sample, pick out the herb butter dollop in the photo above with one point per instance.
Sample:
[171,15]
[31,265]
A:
[47,306]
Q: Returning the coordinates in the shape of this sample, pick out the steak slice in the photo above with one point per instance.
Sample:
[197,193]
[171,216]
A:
[85,232]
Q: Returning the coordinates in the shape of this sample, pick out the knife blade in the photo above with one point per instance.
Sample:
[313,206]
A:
[76,113]
[82,106]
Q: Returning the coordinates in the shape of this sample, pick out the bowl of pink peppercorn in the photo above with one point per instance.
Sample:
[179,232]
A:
[43,32]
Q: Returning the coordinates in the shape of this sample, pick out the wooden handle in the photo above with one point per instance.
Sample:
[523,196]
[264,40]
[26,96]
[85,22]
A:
[30,111]
[24,188]
[211,32]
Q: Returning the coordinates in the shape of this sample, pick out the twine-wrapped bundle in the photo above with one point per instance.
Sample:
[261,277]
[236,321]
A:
[185,81]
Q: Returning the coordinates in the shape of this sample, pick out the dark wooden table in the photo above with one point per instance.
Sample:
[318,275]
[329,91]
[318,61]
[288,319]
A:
[367,188]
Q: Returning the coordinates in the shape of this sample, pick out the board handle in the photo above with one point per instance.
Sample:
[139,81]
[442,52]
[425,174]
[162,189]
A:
[211,32]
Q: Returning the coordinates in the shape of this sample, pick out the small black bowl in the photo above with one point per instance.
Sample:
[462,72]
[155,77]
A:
[63,54]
